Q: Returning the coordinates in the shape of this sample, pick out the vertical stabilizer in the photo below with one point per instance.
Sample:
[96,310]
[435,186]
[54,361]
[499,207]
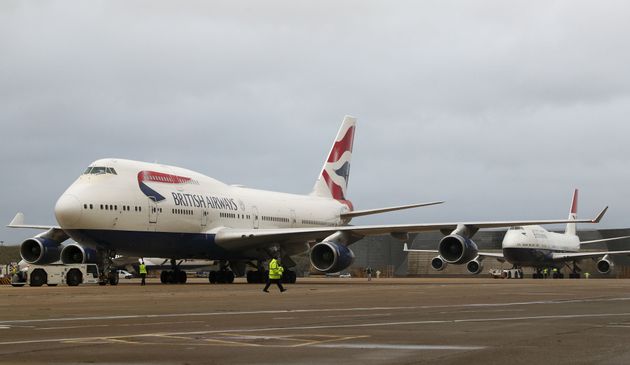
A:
[332,181]
[571,230]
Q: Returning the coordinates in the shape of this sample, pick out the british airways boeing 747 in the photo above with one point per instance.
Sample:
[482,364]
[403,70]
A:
[132,208]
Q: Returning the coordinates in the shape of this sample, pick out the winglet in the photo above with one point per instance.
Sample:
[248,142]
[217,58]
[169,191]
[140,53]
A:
[600,215]
[18,220]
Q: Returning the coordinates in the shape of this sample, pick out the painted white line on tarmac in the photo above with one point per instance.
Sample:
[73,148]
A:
[379,346]
[319,327]
[321,310]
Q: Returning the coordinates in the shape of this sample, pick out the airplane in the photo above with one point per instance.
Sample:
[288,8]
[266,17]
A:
[531,246]
[133,208]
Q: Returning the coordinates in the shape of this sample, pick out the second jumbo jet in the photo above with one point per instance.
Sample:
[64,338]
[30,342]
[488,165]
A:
[531,246]
[132,208]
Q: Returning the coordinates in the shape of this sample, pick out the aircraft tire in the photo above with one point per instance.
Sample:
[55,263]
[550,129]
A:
[112,278]
[163,275]
[212,277]
[38,278]
[181,277]
[74,277]
[229,277]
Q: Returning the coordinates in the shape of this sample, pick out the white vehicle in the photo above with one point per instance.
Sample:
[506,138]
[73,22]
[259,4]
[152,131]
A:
[53,275]
[528,245]
[506,273]
[124,274]
[145,209]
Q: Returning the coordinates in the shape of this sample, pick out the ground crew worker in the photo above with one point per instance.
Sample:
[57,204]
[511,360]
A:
[555,273]
[275,274]
[587,275]
[143,272]
[546,272]
[369,273]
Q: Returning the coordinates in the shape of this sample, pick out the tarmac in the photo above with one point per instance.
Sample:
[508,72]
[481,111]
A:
[320,321]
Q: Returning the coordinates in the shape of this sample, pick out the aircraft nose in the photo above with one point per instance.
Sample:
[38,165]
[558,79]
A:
[67,210]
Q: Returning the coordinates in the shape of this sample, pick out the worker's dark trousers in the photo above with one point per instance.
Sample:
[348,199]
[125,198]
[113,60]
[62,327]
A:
[273,281]
[143,276]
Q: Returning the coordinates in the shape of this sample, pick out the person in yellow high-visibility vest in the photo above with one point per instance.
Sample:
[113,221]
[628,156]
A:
[275,274]
[143,272]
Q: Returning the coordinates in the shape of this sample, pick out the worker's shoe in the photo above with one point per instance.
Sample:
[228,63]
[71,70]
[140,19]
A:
[266,291]
[283,290]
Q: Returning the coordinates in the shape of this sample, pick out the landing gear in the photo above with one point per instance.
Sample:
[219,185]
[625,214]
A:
[575,271]
[108,275]
[257,276]
[538,274]
[289,277]
[224,276]
[175,276]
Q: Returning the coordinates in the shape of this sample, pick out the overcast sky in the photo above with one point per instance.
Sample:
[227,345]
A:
[499,107]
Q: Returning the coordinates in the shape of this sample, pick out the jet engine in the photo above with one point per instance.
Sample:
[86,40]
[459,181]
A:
[474,267]
[331,256]
[77,254]
[438,264]
[605,265]
[41,251]
[456,249]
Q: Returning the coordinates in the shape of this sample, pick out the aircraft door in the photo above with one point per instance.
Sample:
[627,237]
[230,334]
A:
[153,212]
[255,217]
[292,217]
[204,218]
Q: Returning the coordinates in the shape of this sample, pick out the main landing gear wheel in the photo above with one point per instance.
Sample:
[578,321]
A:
[221,277]
[256,277]
[173,277]
[112,278]
[289,277]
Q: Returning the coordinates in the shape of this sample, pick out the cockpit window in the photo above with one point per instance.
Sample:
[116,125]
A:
[97,170]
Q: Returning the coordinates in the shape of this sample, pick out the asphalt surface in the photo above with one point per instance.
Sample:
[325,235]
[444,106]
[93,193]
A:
[320,321]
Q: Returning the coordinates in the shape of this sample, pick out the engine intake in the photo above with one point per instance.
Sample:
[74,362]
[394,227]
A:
[40,251]
[77,254]
[605,265]
[438,264]
[330,256]
[474,267]
[456,249]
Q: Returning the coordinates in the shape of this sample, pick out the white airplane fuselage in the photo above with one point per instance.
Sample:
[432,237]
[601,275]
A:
[145,209]
[534,245]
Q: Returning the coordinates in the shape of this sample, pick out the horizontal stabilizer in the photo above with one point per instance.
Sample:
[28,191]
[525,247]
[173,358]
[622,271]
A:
[359,213]
[603,240]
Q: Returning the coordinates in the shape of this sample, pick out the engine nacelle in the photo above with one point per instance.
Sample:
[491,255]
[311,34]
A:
[474,267]
[330,256]
[456,249]
[605,265]
[438,264]
[77,254]
[41,251]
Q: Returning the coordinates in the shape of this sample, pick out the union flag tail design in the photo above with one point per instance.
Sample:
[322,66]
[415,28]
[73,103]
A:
[571,228]
[333,179]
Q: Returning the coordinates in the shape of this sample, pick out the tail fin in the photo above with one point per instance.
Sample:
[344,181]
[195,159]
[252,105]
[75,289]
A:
[571,230]
[333,179]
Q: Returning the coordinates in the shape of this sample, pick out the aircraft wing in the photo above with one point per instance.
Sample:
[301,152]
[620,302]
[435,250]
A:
[569,256]
[18,222]
[496,255]
[359,213]
[233,239]
[604,240]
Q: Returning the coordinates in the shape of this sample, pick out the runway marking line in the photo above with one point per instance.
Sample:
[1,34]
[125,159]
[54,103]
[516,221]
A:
[319,327]
[322,310]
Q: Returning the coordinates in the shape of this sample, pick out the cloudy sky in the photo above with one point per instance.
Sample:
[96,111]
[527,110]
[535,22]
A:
[500,108]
